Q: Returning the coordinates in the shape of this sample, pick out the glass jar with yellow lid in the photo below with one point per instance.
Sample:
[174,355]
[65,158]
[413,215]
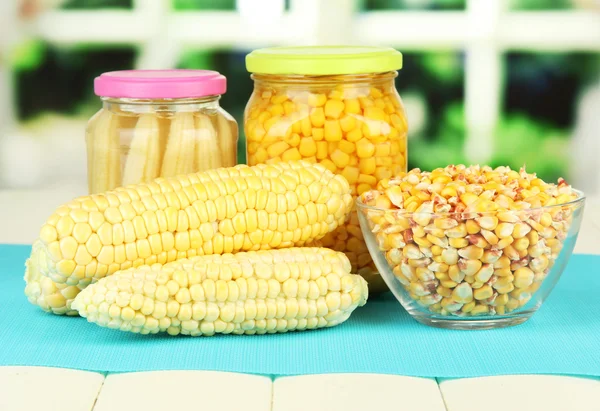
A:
[333,105]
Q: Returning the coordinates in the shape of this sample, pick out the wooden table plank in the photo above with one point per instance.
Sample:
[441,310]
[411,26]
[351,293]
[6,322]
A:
[522,393]
[356,392]
[48,389]
[185,390]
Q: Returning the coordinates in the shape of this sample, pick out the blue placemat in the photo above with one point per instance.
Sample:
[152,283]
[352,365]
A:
[562,338]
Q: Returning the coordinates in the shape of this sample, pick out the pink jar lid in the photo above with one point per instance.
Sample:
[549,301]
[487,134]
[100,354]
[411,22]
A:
[158,84]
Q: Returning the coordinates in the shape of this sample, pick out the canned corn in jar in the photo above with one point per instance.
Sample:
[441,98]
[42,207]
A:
[158,123]
[336,106]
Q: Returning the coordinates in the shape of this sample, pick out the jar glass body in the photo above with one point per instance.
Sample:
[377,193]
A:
[130,141]
[354,125]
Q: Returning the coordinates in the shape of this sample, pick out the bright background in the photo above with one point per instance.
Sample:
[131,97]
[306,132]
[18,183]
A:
[484,81]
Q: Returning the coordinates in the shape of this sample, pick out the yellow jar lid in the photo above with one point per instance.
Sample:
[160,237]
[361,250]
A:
[323,60]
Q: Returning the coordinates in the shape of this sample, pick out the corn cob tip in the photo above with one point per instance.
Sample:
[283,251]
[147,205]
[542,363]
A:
[42,291]
[253,292]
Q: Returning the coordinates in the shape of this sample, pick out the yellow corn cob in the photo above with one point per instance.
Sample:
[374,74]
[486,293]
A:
[207,155]
[143,160]
[244,293]
[179,154]
[228,135]
[105,173]
[219,211]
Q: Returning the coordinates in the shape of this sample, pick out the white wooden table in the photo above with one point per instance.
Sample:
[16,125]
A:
[55,389]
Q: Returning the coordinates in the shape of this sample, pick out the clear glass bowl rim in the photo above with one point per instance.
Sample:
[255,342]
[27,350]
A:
[576,202]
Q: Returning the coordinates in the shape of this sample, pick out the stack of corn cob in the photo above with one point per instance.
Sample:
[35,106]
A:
[353,129]
[199,254]
[191,142]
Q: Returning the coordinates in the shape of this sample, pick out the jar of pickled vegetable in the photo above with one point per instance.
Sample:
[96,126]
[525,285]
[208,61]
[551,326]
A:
[158,123]
[336,106]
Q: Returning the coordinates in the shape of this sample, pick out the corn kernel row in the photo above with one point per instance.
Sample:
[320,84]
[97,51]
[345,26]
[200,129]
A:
[470,240]
[356,131]
[253,292]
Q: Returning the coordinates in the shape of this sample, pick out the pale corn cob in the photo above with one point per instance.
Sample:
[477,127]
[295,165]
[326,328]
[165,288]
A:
[105,171]
[143,159]
[245,293]
[179,153]
[164,126]
[207,154]
[228,136]
[154,159]
[220,211]
[89,141]
[187,158]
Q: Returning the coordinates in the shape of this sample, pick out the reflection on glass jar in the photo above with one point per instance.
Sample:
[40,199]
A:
[353,124]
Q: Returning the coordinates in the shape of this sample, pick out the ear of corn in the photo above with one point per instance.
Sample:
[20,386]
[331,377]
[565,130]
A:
[105,153]
[228,139]
[219,211]
[244,293]
[179,154]
[207,154]
[143,159]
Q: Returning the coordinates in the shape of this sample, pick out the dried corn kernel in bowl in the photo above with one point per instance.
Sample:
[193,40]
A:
[336,106]
[470,247]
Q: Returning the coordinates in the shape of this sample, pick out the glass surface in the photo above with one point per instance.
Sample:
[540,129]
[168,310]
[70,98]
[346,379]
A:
[478,286]
[133,141]
[354,125]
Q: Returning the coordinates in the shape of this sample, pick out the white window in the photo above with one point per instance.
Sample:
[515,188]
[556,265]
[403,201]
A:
[485,31]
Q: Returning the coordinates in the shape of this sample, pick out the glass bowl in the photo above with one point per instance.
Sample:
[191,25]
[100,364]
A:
[472,270]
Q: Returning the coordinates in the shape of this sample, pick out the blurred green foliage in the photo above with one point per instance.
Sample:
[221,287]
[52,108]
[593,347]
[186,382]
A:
[98,4]
[27,55]
[539,101]
[519,141]
[522,141]
[446,67]
[439,86]
[64,81]
[204,4]
[209,4]
[540,4]
[414,4]
[546,85]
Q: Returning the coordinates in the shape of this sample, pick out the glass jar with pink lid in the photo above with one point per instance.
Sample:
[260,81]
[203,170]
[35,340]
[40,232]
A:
[158,123]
